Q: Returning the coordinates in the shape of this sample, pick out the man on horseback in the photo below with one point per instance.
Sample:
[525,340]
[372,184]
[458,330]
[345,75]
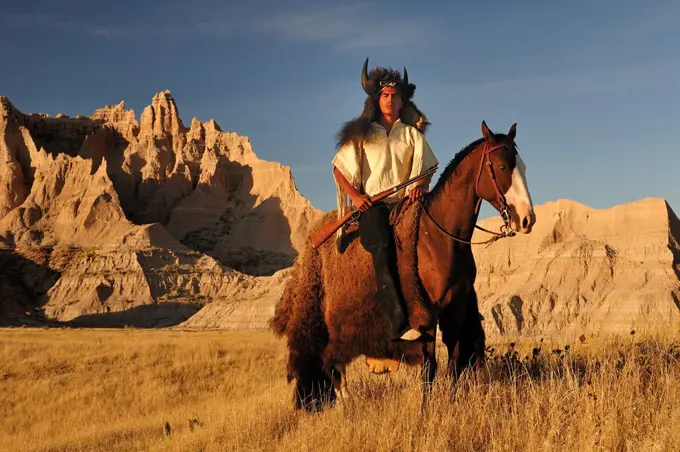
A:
[381,148]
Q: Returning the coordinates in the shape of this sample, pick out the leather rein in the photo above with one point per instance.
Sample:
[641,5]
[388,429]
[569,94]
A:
[505,230]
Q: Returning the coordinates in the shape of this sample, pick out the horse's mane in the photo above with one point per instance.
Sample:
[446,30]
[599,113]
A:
[453,164]
[459,157]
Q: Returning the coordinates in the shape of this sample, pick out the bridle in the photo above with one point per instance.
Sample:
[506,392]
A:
[504,210]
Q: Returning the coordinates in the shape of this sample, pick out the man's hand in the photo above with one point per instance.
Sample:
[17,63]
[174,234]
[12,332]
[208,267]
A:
[415,194]
[361,202]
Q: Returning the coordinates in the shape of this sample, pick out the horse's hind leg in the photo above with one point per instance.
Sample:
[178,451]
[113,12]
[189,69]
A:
[314,388]
[429,367]
[339,376]
[337,372]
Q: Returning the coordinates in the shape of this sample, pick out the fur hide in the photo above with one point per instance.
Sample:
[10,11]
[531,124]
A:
[330,312]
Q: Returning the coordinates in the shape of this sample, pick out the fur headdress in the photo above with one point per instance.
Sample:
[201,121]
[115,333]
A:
[372,83]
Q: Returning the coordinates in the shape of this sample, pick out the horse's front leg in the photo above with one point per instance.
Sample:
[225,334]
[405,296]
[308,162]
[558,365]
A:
[451,323]
[472,343]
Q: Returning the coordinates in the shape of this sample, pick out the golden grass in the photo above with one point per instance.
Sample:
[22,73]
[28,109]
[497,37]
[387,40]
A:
[115,390]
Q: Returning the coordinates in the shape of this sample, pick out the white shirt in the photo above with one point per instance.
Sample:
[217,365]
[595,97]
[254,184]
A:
[387,160]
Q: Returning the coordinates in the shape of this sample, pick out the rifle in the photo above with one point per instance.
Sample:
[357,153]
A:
[322,234]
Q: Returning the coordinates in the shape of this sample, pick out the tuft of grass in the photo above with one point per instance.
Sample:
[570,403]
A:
[169,390]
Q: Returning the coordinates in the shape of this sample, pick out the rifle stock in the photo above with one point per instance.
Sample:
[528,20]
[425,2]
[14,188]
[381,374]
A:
[319,236]
[322,234]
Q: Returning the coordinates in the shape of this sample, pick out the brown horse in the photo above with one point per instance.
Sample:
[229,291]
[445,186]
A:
[329,311]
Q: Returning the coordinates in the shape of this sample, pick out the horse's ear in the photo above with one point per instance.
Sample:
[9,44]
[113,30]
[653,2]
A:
[486,132]
[513,131]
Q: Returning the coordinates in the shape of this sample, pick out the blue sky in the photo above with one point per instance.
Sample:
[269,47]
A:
[593,85]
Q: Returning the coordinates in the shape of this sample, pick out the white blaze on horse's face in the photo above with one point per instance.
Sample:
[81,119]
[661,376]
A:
[519,199]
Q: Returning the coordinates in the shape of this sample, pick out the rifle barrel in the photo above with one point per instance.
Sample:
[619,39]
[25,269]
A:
[410,181]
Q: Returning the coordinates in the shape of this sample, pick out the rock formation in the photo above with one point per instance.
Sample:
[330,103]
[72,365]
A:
[583,270]
[128,215]
[108,221]
[207,187]
[248,309]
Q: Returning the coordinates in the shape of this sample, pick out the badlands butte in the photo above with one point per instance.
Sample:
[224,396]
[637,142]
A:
[107,221]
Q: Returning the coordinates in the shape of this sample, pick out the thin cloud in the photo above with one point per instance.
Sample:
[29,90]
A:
[212,27]
[23,21]
[609,80]
[94,30]
[54,22]
[347,27]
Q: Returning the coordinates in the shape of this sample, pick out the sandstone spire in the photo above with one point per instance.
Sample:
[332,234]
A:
[162,117]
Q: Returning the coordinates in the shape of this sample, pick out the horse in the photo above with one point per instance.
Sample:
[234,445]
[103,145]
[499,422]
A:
[329,310]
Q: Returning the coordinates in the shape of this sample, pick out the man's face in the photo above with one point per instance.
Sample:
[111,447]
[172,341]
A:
[390,101]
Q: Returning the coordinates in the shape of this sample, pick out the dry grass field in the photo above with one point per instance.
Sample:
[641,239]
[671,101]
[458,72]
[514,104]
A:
[163,390]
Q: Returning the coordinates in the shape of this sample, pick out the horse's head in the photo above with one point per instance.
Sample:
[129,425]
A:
[501,179]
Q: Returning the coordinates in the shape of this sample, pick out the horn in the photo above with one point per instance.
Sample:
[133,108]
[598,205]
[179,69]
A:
[405,82]
[365,82]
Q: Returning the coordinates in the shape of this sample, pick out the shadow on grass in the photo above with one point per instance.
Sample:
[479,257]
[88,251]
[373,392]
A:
[157,315]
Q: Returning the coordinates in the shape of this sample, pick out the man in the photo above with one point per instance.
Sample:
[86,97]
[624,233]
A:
[381,148]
